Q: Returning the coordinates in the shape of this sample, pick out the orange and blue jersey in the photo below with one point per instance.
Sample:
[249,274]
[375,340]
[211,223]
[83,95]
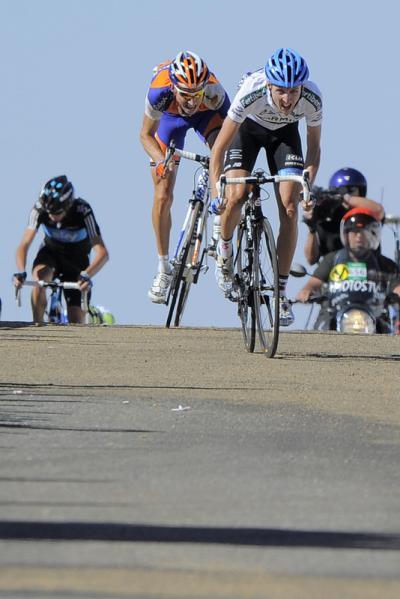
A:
[161,106]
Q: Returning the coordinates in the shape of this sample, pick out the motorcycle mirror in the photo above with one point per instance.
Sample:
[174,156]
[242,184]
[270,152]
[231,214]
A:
[392,219]
[298,270]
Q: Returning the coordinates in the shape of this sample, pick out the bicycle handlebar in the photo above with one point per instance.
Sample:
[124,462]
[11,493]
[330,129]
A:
[53,284]
[172,150]
[261,178]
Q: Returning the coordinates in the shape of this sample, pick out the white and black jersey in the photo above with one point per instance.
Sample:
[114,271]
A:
[77,231]
[254,101]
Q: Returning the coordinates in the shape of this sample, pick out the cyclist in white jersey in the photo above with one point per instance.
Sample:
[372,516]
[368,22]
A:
[265,114]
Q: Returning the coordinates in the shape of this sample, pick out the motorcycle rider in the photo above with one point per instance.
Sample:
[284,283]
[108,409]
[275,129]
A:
[358,261]
[347,190]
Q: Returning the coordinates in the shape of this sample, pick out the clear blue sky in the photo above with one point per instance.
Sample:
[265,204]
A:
[74,75]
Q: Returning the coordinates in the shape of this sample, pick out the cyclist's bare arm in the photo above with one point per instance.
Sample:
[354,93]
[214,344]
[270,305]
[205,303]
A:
[359,202]
[313,155]
[22,253]
[311,248]
[312,287]
[224,139]
[149,143]
[100,257]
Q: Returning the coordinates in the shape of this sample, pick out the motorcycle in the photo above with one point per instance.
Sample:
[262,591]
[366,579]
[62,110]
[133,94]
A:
[353,307]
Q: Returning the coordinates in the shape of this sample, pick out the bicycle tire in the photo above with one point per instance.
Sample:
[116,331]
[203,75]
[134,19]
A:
[183,295]
[266,288]
[188,282]
[243,283]
[179,267]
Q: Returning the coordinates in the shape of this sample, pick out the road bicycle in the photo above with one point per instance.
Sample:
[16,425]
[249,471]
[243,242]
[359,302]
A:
[56,311]
[190,256]
[256,279]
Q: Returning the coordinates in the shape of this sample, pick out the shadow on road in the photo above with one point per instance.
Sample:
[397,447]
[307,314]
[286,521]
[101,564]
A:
[262,537]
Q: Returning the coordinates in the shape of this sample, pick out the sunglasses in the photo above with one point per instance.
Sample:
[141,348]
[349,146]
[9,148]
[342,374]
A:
[189,95]
[55,213]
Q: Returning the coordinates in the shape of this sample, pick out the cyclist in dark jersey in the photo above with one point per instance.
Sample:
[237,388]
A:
[347,190]
[71,233]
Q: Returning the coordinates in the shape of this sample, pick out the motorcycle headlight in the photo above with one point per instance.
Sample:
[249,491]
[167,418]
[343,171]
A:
[357,321]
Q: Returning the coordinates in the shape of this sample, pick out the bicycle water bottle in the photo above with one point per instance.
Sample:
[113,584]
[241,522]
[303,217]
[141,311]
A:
[202,185]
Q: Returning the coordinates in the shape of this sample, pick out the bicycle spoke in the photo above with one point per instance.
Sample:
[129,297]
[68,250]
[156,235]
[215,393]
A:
[266,289]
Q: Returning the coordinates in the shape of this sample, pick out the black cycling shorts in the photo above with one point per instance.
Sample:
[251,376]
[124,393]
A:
[282,147]
[67,268]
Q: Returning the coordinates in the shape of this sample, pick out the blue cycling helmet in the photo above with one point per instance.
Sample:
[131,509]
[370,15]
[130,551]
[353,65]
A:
[286,68]
[57,195]
[345,179]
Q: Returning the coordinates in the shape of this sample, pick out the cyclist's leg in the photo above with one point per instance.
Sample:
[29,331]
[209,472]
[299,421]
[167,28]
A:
[71,267]
[285,156]
[207,129]
[171,127]
[239,162]
[207,126]
[43,269]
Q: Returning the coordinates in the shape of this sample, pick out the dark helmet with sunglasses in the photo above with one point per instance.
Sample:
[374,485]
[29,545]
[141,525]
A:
[57,195]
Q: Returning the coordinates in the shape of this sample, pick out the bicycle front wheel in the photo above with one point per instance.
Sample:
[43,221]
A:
[266,288]
[179,290]
[244,269]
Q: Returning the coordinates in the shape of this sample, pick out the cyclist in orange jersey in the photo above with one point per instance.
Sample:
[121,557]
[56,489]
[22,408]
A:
[183,95]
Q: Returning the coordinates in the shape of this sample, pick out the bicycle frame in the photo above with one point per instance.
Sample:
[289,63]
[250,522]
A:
[188,257]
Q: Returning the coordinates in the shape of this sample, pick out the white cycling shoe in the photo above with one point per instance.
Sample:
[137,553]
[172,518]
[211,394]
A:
[159,289]
[224,273]
[286,316]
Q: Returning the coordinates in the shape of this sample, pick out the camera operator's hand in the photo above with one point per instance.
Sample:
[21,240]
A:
[303,295]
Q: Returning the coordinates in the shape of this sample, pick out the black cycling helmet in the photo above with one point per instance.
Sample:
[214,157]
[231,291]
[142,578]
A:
[345,179]
[57,195]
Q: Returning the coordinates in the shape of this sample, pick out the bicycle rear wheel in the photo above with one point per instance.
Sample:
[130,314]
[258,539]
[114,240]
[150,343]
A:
[244,269]
[178,284]
[266,288]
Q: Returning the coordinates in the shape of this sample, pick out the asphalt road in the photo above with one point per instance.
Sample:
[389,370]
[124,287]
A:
[146,463]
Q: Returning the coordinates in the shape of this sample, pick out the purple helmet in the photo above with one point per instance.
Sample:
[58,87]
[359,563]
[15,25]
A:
[345,179]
